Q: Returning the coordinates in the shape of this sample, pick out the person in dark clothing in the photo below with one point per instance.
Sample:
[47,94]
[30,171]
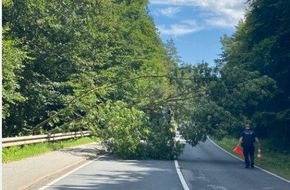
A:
[247,140]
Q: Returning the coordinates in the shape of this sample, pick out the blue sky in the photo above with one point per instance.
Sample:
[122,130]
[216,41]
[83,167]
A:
[196,25]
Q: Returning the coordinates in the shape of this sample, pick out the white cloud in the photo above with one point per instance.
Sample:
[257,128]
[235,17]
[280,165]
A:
[217,22]
[185,27]
[213,13]
[169,11]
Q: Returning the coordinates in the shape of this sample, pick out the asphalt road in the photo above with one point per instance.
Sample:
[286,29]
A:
[204,167]
[108,173]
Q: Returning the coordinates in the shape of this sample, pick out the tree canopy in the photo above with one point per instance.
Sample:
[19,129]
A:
[101,66]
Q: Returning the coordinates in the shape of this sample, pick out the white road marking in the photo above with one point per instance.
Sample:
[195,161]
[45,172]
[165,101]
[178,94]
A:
[182,180]
[288,181]
[67,174]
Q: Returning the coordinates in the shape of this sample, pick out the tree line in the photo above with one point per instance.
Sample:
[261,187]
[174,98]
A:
[101,66]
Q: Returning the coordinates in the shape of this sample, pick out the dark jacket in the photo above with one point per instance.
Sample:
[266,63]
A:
[249,137]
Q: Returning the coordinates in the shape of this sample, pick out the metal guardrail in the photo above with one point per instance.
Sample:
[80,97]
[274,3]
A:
[15,141]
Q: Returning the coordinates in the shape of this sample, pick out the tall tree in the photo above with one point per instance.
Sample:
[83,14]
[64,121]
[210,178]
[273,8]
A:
[13,59]
[255,71]
[268,40]
[91,57]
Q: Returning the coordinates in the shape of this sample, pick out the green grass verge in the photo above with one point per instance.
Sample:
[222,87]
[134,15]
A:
[20,152]
[275,162]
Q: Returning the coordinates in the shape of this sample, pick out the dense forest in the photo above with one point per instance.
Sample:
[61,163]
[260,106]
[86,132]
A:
[101,66]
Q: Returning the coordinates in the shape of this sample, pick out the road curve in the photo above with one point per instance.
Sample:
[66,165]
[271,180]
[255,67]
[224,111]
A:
[207,167]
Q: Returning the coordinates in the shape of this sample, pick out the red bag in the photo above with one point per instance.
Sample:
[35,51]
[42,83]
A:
[239,151]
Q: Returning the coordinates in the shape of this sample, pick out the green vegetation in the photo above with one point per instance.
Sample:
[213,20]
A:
[20,152]
[273,161]
[101,66]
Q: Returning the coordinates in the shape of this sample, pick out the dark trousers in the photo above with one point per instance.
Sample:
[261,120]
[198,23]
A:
[249,155]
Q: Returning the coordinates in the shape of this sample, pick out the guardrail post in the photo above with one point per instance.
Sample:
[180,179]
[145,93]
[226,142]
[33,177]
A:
[48,137]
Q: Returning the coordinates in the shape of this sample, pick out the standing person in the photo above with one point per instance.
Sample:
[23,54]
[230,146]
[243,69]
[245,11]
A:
[247,140]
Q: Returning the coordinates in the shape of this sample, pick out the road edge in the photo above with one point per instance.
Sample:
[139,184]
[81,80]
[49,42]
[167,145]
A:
[70,172]
[181,178]
[288,181]
[50,175]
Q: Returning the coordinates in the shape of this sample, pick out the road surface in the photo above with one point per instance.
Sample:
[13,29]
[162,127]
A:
[108,173]
[204,167]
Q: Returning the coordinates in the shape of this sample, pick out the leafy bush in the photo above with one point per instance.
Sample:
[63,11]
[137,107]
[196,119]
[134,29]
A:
[122,129]
[130,133]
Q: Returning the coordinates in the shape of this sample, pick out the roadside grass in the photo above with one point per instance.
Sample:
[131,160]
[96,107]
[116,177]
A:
[273,161]
[20,152]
